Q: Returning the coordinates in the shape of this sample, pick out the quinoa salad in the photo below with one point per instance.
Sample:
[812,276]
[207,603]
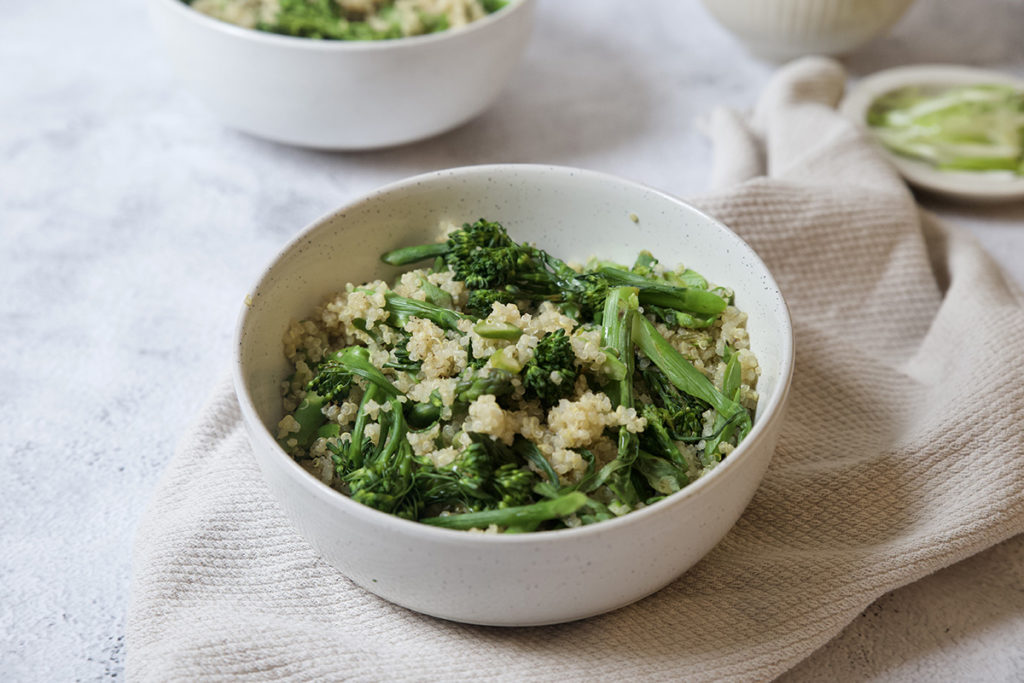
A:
[348,19]
[496,388]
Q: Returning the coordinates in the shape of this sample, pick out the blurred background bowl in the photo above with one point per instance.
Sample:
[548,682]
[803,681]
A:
[345,95]
[786,29]
[511,579]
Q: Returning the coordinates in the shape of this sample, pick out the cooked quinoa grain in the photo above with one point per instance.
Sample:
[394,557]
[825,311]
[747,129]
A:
[454,393]
[348,19]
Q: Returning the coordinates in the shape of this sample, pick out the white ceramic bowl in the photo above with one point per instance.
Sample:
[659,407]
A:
[526,579]
[785,29]
[344,95]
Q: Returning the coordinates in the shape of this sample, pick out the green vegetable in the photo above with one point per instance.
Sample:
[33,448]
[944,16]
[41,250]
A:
[473,383]
[521,518]
[497,269]
[723,426]
[510,481]
[402,309]
[551,374]
[621,308]
[481,301]
[971,128]
[677,369]
[330,20]
[498,331]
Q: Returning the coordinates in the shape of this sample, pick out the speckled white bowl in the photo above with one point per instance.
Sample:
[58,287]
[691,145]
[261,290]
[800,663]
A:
[785,29]
[526,579]
[343,95]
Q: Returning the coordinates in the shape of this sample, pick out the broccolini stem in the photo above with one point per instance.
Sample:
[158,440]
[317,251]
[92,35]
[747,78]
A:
[402,308]
[620,309]
[355,446]
[406,255]
[396,434]
[471,385]
[656,294]
[523,516]
[498,330]
[692,381]
[677,369]
[612,368]
[357,361]
[724,426]
[422,415]
[732,378]
[435,294]
[504,361]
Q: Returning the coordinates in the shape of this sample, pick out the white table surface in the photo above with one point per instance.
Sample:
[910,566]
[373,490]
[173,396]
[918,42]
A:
[132,224]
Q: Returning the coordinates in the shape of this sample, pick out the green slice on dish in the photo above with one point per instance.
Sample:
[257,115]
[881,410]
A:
[966,128]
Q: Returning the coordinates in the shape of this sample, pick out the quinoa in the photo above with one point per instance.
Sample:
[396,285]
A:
[348,19]
[573,427]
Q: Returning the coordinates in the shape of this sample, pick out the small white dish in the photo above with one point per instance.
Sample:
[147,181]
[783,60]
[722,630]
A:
[964,185]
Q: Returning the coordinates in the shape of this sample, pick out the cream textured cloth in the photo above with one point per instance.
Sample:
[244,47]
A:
[902,454]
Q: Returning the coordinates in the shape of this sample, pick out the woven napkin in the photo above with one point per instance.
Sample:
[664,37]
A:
[901,455]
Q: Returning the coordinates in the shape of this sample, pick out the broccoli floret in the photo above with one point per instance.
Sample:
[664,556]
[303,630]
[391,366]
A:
[332,381]
[480,300]
[330,384]
[586,293]
[657,439]
[682,415]
[475,468]
[384,478]
[514,485]
[485,475]
[551,374]
[482,255]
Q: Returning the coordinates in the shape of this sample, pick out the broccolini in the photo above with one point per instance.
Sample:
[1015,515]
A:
[504,389]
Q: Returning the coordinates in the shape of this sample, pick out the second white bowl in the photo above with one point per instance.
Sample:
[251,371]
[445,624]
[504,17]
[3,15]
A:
[786,29]
[345,95]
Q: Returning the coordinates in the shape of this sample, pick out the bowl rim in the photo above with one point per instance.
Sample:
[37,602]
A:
[325,45]
[365,514]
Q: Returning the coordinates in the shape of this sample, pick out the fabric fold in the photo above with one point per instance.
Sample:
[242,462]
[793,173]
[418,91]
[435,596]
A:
[901,455]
